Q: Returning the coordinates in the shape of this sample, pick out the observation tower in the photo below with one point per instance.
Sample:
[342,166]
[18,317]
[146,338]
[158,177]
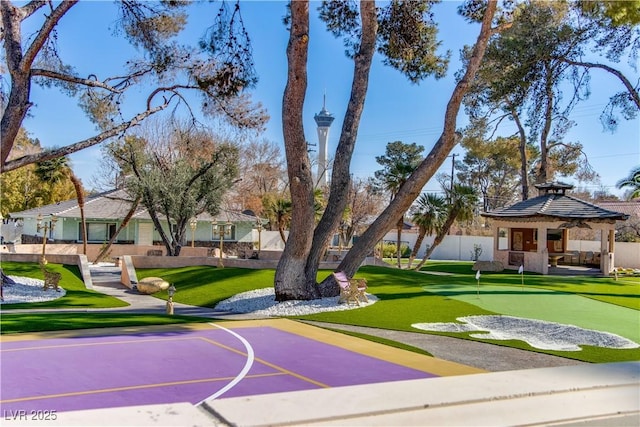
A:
[323,120]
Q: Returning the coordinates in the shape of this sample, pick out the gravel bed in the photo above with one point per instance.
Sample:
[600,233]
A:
[261,302]
[26,289]
[537,333]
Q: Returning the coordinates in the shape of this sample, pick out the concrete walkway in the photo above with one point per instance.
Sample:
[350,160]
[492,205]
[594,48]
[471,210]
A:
[106,280]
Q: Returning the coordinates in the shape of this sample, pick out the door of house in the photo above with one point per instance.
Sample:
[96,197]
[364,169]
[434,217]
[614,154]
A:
[145,234]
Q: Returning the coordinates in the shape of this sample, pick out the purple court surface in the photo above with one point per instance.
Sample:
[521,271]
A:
[74,371]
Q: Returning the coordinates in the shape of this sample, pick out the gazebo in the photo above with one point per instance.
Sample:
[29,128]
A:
[534,233]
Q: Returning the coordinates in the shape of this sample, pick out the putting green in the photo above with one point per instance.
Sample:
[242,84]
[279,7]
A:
[543,304]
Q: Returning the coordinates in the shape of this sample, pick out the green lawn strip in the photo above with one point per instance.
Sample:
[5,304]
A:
[41,322]
[77,295]
[552,306]
[624,292]
[206,286]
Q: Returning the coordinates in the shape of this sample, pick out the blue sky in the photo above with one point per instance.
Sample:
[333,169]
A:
[394,110]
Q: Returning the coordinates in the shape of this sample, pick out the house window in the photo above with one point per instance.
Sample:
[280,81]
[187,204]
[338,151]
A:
[503,242]
[98,231]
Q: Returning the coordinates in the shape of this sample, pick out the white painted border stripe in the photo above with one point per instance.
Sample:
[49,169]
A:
[243,373]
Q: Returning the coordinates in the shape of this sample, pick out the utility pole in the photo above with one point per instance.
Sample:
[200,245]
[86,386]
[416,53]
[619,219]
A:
[453,166]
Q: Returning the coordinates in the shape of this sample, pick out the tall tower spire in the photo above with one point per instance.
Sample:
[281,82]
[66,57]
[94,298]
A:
[323,120]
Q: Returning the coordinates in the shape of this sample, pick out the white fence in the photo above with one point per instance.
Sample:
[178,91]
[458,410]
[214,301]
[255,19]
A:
[462,248]
[270,240]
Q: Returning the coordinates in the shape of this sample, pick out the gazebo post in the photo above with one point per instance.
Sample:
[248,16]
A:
[607,247]
[603,250]
[542,249]
[612,242]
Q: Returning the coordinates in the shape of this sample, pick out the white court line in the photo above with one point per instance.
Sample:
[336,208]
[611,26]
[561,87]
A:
[243,372]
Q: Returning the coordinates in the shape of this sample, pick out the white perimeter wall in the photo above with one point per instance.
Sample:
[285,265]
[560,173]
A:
[461,248]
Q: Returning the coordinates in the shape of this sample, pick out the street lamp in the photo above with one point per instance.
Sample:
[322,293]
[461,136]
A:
[341,242]
[221,229]
[171,290]
[193,224]
[259,228]
[45,227]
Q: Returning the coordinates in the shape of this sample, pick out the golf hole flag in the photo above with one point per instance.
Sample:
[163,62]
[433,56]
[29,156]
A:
[478,275]
[521,273]
[521,269]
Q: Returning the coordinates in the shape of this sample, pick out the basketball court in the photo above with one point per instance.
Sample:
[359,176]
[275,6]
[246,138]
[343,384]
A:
[117,367]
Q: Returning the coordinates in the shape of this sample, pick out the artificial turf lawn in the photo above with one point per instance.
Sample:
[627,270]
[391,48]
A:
[404,301]
[205,286]
[77,295]
[36,322]
[551,306]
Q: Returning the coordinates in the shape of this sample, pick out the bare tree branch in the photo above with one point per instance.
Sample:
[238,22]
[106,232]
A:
[63,151]
[38,72]
[627,84]
[49,24]
[31,7]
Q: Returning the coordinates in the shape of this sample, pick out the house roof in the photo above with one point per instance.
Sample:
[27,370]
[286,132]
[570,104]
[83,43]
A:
[115,205]
[554,203]
[631,208]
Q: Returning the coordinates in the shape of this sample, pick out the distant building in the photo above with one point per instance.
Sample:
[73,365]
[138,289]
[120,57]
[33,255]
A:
[629,230]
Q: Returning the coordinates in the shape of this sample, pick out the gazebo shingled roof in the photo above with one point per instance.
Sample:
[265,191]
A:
[554,203]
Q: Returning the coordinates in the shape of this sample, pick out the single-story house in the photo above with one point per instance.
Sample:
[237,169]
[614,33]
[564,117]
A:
[533,233]
[104,213]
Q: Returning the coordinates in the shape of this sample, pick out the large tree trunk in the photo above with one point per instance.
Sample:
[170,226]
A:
[290,278]
[288,274]
[524,165]
[544,174]
[429,166]
[340,176]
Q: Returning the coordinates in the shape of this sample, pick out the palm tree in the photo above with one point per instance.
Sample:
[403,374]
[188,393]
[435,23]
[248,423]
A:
[56,170]
[278,210]
[633,182]
[463,202]
[399,162]
[318,203]
[429,215]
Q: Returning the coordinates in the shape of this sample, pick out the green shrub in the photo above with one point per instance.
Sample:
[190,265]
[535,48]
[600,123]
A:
[390,250]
